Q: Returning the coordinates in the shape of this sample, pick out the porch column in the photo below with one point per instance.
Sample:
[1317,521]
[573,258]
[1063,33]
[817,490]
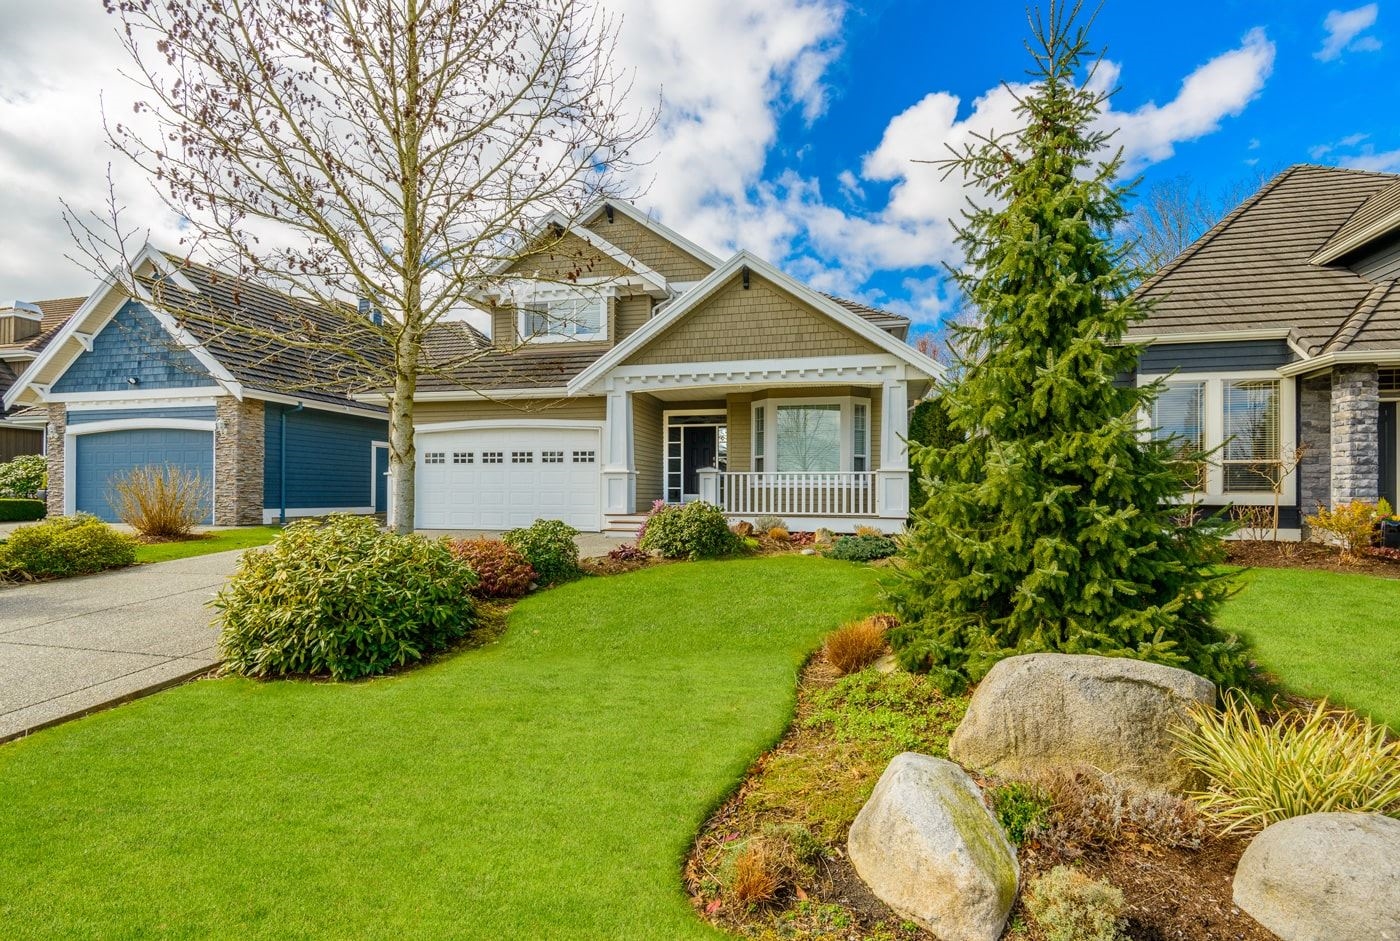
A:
[892,476]
[619,471]
[1356,458]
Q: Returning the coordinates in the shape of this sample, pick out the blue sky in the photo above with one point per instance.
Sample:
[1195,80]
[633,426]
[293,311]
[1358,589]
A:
[789,127]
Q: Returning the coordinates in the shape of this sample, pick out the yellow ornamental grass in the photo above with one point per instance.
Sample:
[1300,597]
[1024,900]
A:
[1303,763]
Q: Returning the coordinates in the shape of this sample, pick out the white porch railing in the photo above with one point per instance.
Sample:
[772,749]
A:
[846,493]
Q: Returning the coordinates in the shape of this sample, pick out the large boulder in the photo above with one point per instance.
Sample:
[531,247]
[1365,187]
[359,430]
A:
[1045,710]
[1324,877]
[927,845]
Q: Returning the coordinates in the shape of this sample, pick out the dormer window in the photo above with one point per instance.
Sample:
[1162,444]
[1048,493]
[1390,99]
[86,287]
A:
[571,315]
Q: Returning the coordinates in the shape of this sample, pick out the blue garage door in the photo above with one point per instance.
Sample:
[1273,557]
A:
[102,456]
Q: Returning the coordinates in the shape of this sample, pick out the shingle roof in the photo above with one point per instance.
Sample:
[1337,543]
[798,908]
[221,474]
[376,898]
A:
[458,357]
[884,319]
[56,314]
[1253,269]
[1377,216]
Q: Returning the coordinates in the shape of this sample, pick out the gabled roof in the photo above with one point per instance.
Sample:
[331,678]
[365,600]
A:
[721,276]
[1378,216]
[1254,271]
[646,221]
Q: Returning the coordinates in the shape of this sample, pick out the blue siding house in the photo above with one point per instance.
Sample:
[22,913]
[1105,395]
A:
[272,431]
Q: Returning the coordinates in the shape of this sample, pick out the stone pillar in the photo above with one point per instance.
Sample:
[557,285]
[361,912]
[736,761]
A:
[238,462]
[1315,420]
[54,448]
[1355,448]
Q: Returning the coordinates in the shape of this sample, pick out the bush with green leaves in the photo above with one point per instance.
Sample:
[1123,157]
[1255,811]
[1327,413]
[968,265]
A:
[1021,807]
[863,548]
[501,570]
[65,546]
[929,428]
[24,476]
[342,598]
[21,510]
[696,530]
[548,545]
[1069,906]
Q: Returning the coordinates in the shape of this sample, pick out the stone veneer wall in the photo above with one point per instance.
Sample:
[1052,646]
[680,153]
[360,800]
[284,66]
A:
[239,439]
[58,426]
[1315,420]
[1355,447]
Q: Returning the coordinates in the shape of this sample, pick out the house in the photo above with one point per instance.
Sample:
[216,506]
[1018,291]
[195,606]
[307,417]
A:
[123,383]
[1278,332]
[664,373]
[25,329]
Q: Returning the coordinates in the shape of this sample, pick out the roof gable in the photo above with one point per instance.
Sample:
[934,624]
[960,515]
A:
[1378,217]
[132,351]
[646,242]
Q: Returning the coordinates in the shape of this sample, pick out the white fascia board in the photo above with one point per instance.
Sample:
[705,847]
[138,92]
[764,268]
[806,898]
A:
[660,228]
[34,424]
[129,424]
[10,356]
[471,395]
[26,379]
[315,405]
[719,277]
[1207,336]
[1342,358]
[136,398]
[495,424]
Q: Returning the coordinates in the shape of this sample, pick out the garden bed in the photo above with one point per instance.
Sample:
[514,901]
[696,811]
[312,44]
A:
[1254,553]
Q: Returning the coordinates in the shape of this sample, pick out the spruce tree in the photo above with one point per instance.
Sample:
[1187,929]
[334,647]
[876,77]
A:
[1052,525]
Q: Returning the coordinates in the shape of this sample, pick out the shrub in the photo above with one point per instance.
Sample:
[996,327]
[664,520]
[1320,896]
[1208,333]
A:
[65,546]
[24,475]
[628,553]
[1069,906]
[863,548]
[21,510]
[548,545]
[762,524]
[342,598]
[757,869]
[779,534]
[501,571]
[1353,525]
[868,531]
[856,646]
[1022,809]
[1304,763]
[160,502]
[1091,810]
[697,530]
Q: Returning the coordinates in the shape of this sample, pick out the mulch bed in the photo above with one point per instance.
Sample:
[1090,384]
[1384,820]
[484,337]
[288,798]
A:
[1307,555]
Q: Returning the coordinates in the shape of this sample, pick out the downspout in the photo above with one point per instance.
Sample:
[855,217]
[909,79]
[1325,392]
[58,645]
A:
[282,461]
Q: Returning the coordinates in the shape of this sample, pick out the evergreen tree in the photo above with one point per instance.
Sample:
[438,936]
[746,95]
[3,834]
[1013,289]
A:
[1051,526]
[929,428]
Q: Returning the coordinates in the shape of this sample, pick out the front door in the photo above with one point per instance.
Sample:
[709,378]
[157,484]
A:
[1388,483]
[698,451]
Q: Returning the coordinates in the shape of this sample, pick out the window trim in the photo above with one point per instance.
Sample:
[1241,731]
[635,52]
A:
[846,430]
[524,301]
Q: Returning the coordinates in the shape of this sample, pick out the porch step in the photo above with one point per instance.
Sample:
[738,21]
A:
[623,524]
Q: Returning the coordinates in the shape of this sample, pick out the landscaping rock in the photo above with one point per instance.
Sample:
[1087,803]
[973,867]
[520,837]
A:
[927,845]
[1046,710]
[1324,877]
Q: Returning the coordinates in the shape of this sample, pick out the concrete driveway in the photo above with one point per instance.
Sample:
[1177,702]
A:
[69,647]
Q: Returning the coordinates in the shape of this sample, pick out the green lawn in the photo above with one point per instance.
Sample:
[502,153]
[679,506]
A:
[219,540]
[546,786]
[1325,634]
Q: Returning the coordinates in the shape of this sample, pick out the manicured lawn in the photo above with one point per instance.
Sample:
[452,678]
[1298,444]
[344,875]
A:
[546,786]
[1325,634]
[222,540]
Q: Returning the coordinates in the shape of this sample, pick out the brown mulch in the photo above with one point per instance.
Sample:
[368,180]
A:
[1307,555]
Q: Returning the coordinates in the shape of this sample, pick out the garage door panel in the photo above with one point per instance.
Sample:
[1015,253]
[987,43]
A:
[504,478]
[102,457]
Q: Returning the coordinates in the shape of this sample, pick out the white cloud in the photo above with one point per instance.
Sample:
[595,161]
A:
[1344,32]
[1386,161]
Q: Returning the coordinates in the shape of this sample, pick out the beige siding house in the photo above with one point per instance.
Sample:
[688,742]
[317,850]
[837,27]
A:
[626,365]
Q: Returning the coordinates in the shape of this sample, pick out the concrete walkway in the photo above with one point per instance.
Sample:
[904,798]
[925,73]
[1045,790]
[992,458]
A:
[75,645]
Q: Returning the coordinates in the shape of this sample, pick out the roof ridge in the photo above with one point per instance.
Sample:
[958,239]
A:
[1358,318]
[1333,167]
[1214,231]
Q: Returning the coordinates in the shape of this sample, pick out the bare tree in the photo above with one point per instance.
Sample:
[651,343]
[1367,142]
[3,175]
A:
[1174,212]
[400,151]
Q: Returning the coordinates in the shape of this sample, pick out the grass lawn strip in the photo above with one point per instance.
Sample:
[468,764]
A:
[1324,634]
[219,540]
[545,786]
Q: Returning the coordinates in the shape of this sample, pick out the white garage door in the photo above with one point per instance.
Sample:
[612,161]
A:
[504,478]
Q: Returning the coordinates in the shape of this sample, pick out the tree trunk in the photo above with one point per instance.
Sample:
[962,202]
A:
[402,453]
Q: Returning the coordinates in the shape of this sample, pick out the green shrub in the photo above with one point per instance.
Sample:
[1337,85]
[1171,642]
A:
[20,510]
[65,546]
[24,475]
[863,548]
[929,427]
[697,530]
[501,571]
[1353,525]
[344,599]
[1022,809]
[549,547]
[1069,906]
[1304,763]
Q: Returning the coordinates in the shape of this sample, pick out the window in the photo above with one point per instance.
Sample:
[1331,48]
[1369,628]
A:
[759,437]
[585,457]
[462,457]
[571,316]
[1178,416]
[551,457]
[1251,455]
[522,457]
[492,457]
[860,438]
[1389,380]
[808,438]
[435,457]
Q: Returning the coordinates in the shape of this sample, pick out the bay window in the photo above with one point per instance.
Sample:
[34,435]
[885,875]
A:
[809,438]
[816,436]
